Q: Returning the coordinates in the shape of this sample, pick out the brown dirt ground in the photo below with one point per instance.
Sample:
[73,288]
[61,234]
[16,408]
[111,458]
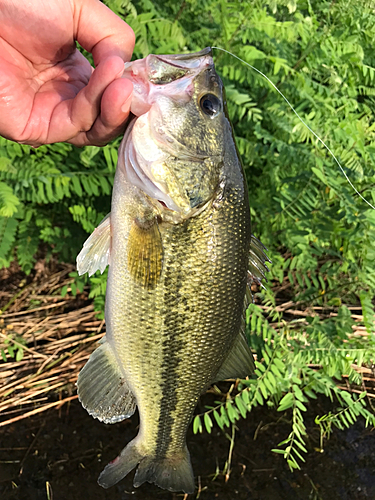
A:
[63,451]
[70,449]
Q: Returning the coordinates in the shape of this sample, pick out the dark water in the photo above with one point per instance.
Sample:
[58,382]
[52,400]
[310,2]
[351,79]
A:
[70,450]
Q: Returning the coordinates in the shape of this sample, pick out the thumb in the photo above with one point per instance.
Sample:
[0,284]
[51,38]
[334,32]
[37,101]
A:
[101,32]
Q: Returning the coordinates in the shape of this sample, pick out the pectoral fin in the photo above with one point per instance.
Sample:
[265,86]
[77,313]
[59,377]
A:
[102,388]
[145,253]
[95,253]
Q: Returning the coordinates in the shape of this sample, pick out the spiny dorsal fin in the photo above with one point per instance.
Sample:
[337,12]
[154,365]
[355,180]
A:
[102,389]
[96,250]
[257,262]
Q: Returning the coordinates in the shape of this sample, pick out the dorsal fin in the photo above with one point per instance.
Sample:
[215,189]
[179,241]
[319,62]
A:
[257,262]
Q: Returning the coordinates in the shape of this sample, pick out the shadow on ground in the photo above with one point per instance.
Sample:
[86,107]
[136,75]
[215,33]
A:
[69,451]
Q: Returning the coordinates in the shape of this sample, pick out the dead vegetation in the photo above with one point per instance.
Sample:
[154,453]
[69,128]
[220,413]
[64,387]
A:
[45,339]
[54,336]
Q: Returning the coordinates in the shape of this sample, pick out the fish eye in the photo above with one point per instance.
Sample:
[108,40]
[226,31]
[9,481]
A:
[210,105]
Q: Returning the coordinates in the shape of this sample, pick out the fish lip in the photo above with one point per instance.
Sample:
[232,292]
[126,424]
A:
[191,62]
[207,51]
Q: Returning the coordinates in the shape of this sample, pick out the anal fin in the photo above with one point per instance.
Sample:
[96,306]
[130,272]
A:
[102,389]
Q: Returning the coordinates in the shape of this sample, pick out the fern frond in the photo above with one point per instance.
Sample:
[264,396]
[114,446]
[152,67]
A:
[8,201]
[8,230]
[368,312]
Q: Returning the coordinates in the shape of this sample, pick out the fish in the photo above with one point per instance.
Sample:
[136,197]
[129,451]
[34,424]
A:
[181,256]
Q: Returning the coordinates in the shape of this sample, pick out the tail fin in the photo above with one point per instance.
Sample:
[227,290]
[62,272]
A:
[173,473]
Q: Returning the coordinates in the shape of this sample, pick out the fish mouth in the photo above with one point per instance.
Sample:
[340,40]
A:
[180,65]
[191,55]
[187,61]
[150,75]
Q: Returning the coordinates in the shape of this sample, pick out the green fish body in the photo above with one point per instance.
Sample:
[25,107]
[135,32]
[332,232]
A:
[178,241]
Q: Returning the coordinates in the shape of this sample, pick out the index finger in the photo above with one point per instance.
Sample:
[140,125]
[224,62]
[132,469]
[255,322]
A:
[101,32]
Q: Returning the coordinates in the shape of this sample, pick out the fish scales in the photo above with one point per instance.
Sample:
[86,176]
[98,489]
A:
[177,241]
[195,323]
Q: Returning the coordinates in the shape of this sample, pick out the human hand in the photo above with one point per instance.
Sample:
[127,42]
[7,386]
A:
[49,92]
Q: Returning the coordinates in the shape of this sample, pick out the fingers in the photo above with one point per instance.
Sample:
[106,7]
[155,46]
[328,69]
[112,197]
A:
[110,40]
[86,105]
[102,32]
[99,111]
[115,106]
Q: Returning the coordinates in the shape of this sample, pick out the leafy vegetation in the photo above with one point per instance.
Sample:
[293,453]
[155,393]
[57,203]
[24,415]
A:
[298,365]
[319,233]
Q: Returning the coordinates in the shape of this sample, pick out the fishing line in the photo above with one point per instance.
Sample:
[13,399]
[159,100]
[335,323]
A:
[301,119]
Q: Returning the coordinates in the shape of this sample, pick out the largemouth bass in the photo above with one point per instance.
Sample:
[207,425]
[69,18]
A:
[178,243]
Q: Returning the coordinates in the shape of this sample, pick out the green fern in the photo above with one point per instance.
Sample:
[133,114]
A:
[368,312]
[8,201]
[8,229]
[284,378]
